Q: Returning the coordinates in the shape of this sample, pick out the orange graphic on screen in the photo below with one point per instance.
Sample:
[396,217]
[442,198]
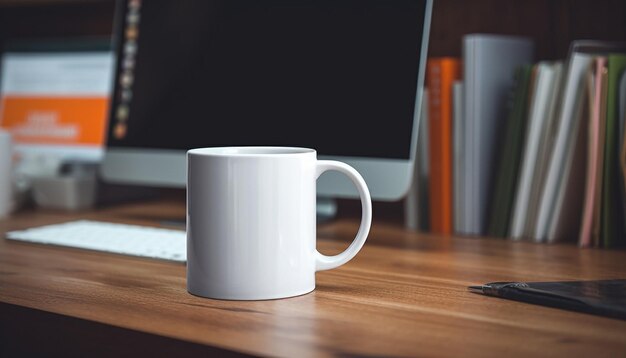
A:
[58,121]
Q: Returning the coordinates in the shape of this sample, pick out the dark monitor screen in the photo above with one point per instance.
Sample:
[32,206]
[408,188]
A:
[339,76]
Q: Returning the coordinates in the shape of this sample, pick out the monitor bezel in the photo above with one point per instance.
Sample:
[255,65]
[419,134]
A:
[388,179]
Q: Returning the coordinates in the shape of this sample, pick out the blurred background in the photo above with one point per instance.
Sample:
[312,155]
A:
[550,27]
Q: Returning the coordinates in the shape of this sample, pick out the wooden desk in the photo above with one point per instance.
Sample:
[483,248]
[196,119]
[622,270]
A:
[403,295]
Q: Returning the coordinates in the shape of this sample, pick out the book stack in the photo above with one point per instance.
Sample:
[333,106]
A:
[525,149]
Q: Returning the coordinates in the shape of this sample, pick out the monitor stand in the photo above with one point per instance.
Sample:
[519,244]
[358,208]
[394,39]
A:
[326,209]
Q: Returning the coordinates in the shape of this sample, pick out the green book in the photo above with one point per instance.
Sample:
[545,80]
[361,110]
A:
[506,174]
[611,229]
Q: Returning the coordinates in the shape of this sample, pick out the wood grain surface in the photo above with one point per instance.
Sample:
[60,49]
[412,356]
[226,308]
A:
[403,295]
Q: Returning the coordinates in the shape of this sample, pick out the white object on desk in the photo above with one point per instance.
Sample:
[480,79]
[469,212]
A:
[124,239]
[65,192]
[251,230]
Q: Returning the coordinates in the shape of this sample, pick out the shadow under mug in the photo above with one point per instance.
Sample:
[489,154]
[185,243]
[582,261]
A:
[251,221]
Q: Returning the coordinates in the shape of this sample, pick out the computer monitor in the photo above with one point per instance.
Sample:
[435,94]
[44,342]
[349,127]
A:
[54,96]
[342,76]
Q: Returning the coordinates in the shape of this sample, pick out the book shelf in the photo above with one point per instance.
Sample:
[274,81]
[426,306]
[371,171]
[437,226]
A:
[552,24]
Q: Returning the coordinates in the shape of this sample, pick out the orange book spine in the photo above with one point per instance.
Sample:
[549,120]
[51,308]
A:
[441,74]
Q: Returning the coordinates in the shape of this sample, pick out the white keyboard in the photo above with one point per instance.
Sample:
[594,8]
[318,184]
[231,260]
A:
[131,240]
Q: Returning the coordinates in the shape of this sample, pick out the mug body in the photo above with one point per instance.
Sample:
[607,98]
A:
[251,222]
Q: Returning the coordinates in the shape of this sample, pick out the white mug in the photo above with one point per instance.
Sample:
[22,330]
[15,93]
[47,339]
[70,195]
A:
[251,221]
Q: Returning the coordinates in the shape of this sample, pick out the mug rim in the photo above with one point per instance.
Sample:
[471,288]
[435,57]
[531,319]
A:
[250,151]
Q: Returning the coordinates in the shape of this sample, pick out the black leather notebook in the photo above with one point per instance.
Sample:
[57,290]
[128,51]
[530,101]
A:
[602,297]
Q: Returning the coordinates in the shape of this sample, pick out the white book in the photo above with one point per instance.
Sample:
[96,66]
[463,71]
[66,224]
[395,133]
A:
[543,92]
[489,62]
[560,163]
[458,159]
[571,191]
[546,143]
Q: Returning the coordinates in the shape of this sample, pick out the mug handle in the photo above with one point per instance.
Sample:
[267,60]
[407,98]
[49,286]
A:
[323,262]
